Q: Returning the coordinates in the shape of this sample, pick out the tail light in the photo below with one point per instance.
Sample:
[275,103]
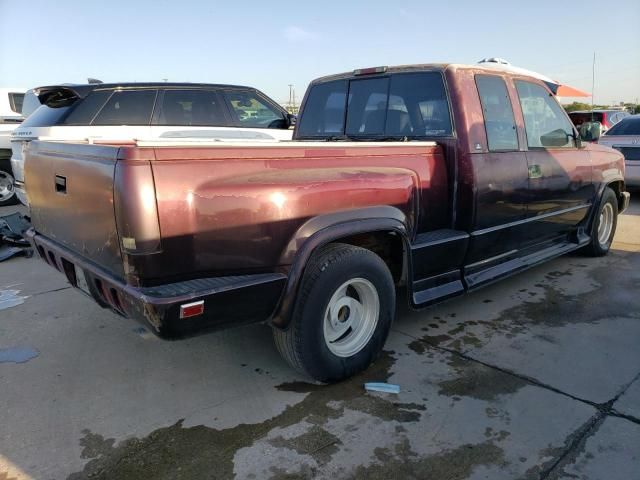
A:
[135,204]
[369,71]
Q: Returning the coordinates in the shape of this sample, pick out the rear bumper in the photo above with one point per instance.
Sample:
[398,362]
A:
[228,301]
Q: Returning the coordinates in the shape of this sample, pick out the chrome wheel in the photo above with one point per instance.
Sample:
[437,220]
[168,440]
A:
[605,224]
[7,186]
[351,317]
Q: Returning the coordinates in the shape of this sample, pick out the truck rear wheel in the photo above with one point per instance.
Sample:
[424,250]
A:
[604,225]
[7,184]
[342,315]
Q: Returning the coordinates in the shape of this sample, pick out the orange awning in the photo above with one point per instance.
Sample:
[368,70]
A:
[567,91]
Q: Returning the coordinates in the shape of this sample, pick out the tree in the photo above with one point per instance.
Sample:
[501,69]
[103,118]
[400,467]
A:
[572,107]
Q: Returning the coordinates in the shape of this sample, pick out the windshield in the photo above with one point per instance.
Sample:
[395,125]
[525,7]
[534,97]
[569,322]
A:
[400,105]
[628,126]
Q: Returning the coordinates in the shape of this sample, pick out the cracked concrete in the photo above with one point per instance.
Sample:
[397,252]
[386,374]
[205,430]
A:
[537,377]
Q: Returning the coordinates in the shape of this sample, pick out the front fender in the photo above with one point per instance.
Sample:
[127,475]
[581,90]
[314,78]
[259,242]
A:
[325,229]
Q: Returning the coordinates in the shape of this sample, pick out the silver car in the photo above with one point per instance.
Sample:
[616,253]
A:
[624,136]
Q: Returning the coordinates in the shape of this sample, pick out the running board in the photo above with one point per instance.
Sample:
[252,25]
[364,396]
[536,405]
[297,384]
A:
[432,253]
[489,275]
[436,289]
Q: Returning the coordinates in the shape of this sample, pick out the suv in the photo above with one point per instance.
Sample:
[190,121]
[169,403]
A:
[149,111]
[608,118]
[10,116]
[625,137]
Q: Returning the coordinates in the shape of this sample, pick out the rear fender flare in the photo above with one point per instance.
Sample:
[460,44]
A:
[324,229]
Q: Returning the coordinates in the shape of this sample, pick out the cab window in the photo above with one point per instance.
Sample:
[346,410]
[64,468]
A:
[498,114]
[545,122]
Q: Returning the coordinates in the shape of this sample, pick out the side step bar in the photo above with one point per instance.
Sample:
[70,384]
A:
[432,253]
[489,275]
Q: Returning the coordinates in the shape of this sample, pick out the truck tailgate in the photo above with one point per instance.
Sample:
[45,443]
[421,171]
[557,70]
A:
[71,193]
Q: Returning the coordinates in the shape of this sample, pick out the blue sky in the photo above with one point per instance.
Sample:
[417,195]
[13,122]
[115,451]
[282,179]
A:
[270,44]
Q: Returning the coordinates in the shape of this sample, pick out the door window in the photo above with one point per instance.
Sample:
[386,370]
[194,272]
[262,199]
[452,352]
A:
[498,113]
[190,107]
[127,107]
[546,124]
[253,112]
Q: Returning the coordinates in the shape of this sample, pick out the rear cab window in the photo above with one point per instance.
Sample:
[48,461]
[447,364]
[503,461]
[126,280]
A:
[251,110]
[127,107]
[396,105]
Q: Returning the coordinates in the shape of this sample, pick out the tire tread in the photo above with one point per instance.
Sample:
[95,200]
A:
[288,342]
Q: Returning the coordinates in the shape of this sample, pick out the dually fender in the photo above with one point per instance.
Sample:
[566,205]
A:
[324,229]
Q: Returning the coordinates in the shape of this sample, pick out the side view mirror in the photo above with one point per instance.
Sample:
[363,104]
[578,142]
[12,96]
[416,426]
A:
[590,131]
[292,119]
[555,138]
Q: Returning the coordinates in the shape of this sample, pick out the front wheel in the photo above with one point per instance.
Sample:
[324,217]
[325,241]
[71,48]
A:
[7,185]
[342,315]
[604,225]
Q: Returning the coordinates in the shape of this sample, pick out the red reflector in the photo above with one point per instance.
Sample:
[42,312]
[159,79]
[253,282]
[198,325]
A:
[369,71]
[192,309]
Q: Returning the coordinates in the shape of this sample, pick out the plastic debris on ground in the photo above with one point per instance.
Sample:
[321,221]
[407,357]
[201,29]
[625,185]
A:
[12,241]
[382,387]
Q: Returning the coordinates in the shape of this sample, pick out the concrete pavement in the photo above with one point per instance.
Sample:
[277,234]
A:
[534,377]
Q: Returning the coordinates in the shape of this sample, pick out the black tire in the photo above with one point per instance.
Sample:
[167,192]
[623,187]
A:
[303,344]
[7,173]
[596,248]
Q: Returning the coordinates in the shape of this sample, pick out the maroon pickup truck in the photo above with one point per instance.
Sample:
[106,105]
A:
[440,178]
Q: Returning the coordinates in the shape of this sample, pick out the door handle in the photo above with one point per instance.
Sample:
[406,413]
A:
[535,171]
[61,184]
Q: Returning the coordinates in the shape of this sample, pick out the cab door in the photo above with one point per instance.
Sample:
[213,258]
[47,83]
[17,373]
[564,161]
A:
[560,189]
[500,178]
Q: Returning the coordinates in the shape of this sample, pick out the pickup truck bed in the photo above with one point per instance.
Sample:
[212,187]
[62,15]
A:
[154,225]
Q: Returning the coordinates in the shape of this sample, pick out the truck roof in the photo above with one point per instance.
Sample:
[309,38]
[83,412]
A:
[489,67]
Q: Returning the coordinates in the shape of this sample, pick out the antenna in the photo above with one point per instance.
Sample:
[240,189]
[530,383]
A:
[593,83]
